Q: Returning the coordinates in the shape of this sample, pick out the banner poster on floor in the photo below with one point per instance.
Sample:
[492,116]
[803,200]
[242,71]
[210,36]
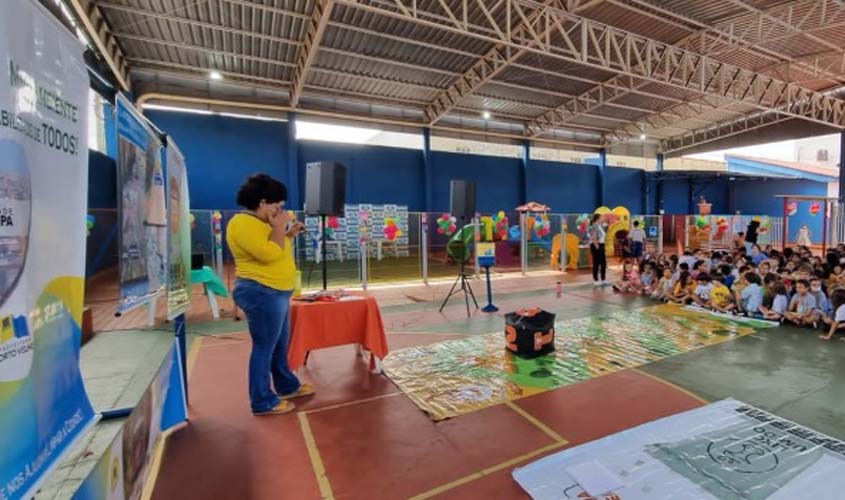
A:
[141,207]
[124,470]
[44,408]
[179,232]
[725,450]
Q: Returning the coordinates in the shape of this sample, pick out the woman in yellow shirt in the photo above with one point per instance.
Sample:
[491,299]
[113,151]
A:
[260,239]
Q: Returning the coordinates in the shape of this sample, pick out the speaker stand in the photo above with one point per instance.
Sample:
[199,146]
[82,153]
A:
[462,279]
[323,245]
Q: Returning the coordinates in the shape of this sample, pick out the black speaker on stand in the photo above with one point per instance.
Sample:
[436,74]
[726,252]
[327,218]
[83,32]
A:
[325,194]
[462,206]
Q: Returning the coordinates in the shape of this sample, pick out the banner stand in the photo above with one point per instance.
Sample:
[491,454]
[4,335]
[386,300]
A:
[180,333]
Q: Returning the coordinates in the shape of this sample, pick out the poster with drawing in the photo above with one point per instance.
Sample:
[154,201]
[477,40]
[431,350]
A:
[723,451]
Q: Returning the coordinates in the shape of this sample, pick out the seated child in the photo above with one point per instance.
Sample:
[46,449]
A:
[779,303]
[837,322]
[751,297]
[684,289]
[822,305]
[647,278]
[682,267]
[630,280]
[720,296]
[728,277]
[801,307]
[663,290]
[701,296]
[834,276]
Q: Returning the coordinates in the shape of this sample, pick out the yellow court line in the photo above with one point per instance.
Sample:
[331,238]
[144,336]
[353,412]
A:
[486,472]
[350,403]
[155,465]
[316,461]
[534,420]
[673,386]
[193,352]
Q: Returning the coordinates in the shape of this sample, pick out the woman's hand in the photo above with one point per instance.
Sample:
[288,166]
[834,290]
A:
[295,229]
[280,220]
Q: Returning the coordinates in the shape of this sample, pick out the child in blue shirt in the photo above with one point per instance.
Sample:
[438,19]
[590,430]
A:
[751,296]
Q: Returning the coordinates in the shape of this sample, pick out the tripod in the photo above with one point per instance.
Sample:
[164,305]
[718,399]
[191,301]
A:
[465,286]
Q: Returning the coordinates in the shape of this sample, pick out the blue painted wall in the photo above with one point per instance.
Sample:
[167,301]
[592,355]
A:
[221,152]
[624,187]
[566,187]
[497,180]
[102,180]
[375,174]
[758,197]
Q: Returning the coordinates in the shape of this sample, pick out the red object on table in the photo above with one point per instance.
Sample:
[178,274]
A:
[356,319]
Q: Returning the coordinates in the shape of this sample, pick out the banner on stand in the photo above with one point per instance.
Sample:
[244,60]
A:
[123,472]
[724,450]
[44,408]
[179,235]
[141,206]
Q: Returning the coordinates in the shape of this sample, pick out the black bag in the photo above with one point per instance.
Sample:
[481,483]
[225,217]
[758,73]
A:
[530,332]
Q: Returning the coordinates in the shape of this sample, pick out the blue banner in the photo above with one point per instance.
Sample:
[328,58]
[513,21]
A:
[141,208]
[43,188]
[124,470]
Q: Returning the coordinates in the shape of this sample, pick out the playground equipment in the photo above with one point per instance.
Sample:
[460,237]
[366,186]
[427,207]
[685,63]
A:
[617,220]
[461,241]
[572,243]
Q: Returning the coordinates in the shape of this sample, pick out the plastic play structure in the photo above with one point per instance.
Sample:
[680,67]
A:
[461,240]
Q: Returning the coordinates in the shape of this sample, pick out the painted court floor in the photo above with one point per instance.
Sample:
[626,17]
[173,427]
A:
[360,437]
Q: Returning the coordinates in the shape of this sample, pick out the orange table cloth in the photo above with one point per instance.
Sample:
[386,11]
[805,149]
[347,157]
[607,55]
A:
[355,319]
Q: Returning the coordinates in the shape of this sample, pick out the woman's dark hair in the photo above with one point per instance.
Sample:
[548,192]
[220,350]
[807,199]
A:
[261,187]
[779,288]
[837,298]
[684,279]
[595,218]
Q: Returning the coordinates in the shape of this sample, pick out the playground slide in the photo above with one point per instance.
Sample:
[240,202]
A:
[453,248]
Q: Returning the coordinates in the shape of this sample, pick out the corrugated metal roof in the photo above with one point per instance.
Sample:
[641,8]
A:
[366,56]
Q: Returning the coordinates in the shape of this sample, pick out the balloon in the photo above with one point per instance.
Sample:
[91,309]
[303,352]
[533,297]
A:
[583,222]
[815,208]
[333,223]
[701,222]
[513,233]
[391,229]
[445,225]
[791,208]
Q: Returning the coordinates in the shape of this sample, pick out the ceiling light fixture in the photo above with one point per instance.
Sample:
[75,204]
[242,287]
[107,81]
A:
[486,115]
[642,137]
[215,75]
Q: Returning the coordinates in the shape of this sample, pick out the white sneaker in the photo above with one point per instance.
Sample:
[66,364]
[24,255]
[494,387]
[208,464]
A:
[597,283]
[604,282]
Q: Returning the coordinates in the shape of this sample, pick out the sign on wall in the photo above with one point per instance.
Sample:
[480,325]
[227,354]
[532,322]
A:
[360,221]
[141,206]
[43,188]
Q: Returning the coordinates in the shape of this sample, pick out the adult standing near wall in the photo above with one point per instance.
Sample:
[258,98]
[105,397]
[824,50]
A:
[751,235]
[597,250]
[261,241]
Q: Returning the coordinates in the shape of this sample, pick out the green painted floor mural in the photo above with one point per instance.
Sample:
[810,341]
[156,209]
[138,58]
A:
[455,377]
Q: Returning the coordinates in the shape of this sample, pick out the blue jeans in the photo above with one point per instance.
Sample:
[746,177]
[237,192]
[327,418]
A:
[267,311]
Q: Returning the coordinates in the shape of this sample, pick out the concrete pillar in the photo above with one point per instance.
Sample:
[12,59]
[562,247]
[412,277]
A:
[602,181]
[842,165]
[659,188]
[427,193]
[294,189]
[526,159]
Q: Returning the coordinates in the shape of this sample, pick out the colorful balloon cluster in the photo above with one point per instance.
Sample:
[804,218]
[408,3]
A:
[332,224]
[702,222]
[722,226]
[541,225]
[89,223]
[500,225]
[765,225]
[446,224]
[583,222]
[391,229]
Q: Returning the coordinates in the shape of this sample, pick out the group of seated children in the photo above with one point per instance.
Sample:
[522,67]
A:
[792,286]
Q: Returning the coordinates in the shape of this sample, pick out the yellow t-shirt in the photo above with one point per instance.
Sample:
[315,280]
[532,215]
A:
[256,257]
[720,295]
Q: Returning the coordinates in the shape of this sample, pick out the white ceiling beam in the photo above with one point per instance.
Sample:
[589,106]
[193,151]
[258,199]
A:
[320,16]
[99,32]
